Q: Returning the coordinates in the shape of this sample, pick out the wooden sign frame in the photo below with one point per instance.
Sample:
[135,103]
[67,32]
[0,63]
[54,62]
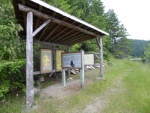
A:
[88,56]
[72,60]
[48,61]
[57,58]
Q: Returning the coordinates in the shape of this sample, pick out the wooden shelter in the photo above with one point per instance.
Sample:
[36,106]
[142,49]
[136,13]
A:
[49,24]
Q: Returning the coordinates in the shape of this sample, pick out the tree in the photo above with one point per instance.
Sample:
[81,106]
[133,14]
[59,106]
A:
[122,48]
[147,52]
[9,37]
[138,47]
[114,28]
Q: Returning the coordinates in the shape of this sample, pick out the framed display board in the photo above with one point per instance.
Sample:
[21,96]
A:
[46,61]
[89,59]
[58,60]
[71,60]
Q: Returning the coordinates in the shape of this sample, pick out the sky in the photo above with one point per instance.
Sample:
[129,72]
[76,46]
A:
[134,14]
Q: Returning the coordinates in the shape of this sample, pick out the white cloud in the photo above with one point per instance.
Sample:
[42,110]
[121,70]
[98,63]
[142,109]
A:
[134,14]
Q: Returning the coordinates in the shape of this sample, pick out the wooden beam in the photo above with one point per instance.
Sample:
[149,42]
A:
[29,62]
[67,37]
[73,41]
[80,38]
[97,56]
[24,14]
[37,20]
[70,38]
[52,31]
[36,73]
[58,34]
[49,43]
[64,35]
[77,41]
[40,28]
[58,21]
[44,30]
[98,42]
[52,39]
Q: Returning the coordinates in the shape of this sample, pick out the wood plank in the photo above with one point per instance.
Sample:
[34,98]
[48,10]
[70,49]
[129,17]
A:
[59,34]
[52,31]
[24,14]
[29,62]
[37,20]
[58,21]
[64,35]
[98,42]
[97,56]
[49,43]
[77,40]
[52,39]
[67,37]
[40,28]
[74,37]
[44,30]
[36,73]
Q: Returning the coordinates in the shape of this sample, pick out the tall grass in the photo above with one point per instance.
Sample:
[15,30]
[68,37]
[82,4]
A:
[138,88]
[136,96]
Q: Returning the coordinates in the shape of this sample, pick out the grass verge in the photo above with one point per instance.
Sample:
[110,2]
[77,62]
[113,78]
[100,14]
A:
[136,96]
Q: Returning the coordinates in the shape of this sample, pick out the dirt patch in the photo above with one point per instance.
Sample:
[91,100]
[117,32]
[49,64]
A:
[60,91]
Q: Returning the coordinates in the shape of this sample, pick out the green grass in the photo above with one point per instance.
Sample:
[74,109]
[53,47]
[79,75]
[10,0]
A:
[13,104]
[134,99]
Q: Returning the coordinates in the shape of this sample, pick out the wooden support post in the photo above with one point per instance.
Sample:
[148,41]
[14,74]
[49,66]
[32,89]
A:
[54,58]
[82,70]
[101,58]
[63,77]
[29,58]
[100,44]
[68,68]
[29,62]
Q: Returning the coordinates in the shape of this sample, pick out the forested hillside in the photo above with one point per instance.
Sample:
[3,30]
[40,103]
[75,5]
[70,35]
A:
[138,47]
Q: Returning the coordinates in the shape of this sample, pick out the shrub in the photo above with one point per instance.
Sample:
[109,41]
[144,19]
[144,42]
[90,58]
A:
[12,77]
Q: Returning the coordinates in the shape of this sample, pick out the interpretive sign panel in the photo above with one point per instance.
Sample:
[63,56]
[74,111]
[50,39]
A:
[89,59]
[46,61]
[71,60]
[58,60]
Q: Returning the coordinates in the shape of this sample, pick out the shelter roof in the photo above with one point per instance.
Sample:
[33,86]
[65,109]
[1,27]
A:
[63,28]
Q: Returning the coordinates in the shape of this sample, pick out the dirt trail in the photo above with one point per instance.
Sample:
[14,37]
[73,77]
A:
[100,103]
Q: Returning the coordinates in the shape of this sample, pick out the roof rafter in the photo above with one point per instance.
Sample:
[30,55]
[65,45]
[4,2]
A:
[42,15]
